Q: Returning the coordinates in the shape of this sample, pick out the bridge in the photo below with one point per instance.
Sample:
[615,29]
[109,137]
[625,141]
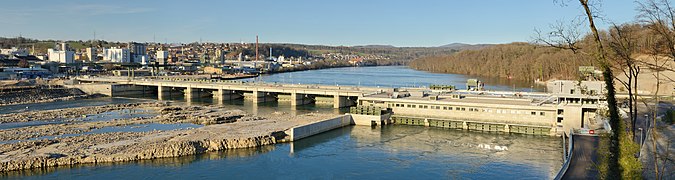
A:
[339,96]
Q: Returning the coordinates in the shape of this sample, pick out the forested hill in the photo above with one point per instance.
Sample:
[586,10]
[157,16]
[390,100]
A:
[522,61]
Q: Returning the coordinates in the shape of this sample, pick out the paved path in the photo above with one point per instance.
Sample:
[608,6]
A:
[581,164]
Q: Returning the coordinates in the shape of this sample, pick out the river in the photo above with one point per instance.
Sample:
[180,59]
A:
[398,152]
[392,76]
[394,151]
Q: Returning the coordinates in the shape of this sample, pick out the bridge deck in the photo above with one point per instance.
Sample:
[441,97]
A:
[242,86]
[581,164]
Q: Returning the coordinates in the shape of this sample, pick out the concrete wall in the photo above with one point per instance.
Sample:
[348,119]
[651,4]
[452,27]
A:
[576,87]
[105,89]
[572,118]
[311,129]
[508,115]
[126,89]
[370,120]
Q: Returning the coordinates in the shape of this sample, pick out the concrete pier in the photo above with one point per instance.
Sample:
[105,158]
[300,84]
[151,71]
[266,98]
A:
[299,99]
[341,101]
[311,129]
[163,92]
[190,93]
[225,95]
[261,97]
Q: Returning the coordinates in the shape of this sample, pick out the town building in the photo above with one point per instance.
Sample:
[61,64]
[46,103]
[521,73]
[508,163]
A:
[138,52]
[118,55]
[91,54]
[14,51]
[61,56]
[162,57]
[219,58]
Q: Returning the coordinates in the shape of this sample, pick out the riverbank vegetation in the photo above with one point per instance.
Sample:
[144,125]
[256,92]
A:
[524,61]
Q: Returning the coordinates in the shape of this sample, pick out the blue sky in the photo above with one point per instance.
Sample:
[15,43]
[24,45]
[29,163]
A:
[336,22]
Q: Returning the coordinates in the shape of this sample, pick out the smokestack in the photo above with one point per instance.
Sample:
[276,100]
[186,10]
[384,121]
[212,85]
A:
[270,52]
[256,47]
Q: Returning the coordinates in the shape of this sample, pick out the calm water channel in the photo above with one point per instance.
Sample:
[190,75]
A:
[400,152]
[392,76]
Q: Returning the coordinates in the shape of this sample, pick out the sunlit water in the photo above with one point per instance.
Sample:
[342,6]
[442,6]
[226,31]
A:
[391,152]
[399,152]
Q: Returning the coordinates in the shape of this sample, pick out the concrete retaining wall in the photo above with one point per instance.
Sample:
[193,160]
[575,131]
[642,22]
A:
[311,129]
[105,89]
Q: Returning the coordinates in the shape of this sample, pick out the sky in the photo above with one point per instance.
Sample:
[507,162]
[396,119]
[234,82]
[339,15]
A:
[321,22]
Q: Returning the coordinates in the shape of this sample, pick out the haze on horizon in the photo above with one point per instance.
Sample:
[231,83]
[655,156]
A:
[398,23]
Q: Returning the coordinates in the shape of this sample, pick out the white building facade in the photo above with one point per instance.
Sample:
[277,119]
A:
[162,57]
[118,55]
[14,51]
[61,56]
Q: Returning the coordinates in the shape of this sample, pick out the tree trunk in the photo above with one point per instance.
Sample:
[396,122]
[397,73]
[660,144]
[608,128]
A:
[614,169]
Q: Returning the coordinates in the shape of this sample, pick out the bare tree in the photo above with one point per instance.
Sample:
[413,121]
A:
[565,39]
[614,120]
[658,16]
[562,36]
[622,45]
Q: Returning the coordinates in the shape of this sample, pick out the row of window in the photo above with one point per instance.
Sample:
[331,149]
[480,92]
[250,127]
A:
[449,108]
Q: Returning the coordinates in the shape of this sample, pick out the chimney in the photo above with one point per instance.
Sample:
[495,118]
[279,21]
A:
[256,47]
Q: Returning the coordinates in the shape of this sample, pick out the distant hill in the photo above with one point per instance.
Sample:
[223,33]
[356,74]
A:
[463,46]
[522,61]
[375,46]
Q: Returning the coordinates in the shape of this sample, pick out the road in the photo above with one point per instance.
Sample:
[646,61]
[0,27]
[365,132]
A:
[581,164]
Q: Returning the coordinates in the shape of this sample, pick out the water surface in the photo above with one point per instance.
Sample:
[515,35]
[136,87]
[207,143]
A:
[392,152]
[392,76]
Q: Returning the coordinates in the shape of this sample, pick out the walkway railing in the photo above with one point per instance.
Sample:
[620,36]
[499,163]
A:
[568,155]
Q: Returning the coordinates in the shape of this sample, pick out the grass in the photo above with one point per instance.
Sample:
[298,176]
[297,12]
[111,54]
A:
[630,165]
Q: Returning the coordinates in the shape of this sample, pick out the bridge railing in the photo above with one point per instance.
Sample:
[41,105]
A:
[568,155]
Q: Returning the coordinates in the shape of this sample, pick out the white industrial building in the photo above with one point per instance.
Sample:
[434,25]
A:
[61,56]
[118,55]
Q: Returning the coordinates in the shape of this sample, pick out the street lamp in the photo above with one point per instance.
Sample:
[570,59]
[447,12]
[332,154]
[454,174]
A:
[641,138]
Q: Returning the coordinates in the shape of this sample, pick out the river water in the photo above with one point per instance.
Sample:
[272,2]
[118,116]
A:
[394,151]
[392,76]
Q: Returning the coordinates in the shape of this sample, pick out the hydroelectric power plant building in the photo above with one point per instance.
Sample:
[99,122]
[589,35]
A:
[531,113]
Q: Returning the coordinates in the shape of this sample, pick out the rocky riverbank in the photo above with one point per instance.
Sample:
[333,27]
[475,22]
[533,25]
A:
[23,92]
[223,129]
[71,112]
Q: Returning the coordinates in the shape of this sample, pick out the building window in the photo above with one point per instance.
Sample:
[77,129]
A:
[533,113]
[541,113]
[463,109]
